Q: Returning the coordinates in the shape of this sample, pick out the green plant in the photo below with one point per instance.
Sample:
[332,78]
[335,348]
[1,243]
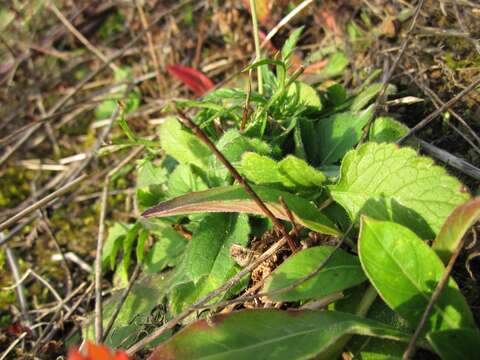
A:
[299,148]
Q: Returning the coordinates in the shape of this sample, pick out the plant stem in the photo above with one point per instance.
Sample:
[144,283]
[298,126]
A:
[367,300]
[256,38]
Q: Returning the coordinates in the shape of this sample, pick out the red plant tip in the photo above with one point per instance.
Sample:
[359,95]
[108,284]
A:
[97,352]
[194,79]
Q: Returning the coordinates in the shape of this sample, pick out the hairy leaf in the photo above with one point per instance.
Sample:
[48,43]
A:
[235,199]
[405,271]
[290,172]
[182,145]
[269,334]
[339,133]
[340,272]
[306,95]
[455,228]
[386,182]
[209,251]
[386,129]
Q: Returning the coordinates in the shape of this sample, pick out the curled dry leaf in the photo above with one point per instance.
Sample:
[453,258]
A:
[194,79]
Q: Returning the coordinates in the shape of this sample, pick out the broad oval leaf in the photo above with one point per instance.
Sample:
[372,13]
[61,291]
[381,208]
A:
[405,271]
[340,272]
[456,344]
[386,182]
[339,133]
[269,334]
[235,199]
[306,94]
[457,224]
[386,129]
[194,79]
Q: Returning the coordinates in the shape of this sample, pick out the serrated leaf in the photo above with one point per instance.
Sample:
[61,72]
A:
[456,344]
[339,133]
[405,271]
[306,94]
[182,145]
[386,182]
[269,334]
[386,129]
[455,228]
[209,251]
[290,172]
[235,199]
[340,272]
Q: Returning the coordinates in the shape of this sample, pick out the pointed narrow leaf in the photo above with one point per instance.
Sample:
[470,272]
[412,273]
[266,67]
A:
[340,272]
[455,228]
[235,199]
[194,79]
[386,182]
[405,271]
[269,334]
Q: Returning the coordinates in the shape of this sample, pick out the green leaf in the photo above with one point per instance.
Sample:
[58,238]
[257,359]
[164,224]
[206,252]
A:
[262,62]
[455,228]
[235,199]
[144,296]
[150,174]
[339,133]
[290,172]
[367,95]
[455,344]
[289,45]
[130,238]
[166,250]
[405,271]
[233,145]
[306,94]
[386,182]
[386,129]
[209,250]
[340,272]
[269,334]
[336,64]
[115,238]
[183,145]
[184,179]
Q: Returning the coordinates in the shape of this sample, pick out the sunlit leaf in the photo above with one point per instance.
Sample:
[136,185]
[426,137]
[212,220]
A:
[405,271]
[340,272]
[386,182]
[455,228]
[235,199]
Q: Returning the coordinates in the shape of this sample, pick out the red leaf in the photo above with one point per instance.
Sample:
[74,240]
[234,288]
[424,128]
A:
[194,79]
[97,352]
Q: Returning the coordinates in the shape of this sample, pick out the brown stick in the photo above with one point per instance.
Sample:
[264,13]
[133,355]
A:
[201,135]
[440,110]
